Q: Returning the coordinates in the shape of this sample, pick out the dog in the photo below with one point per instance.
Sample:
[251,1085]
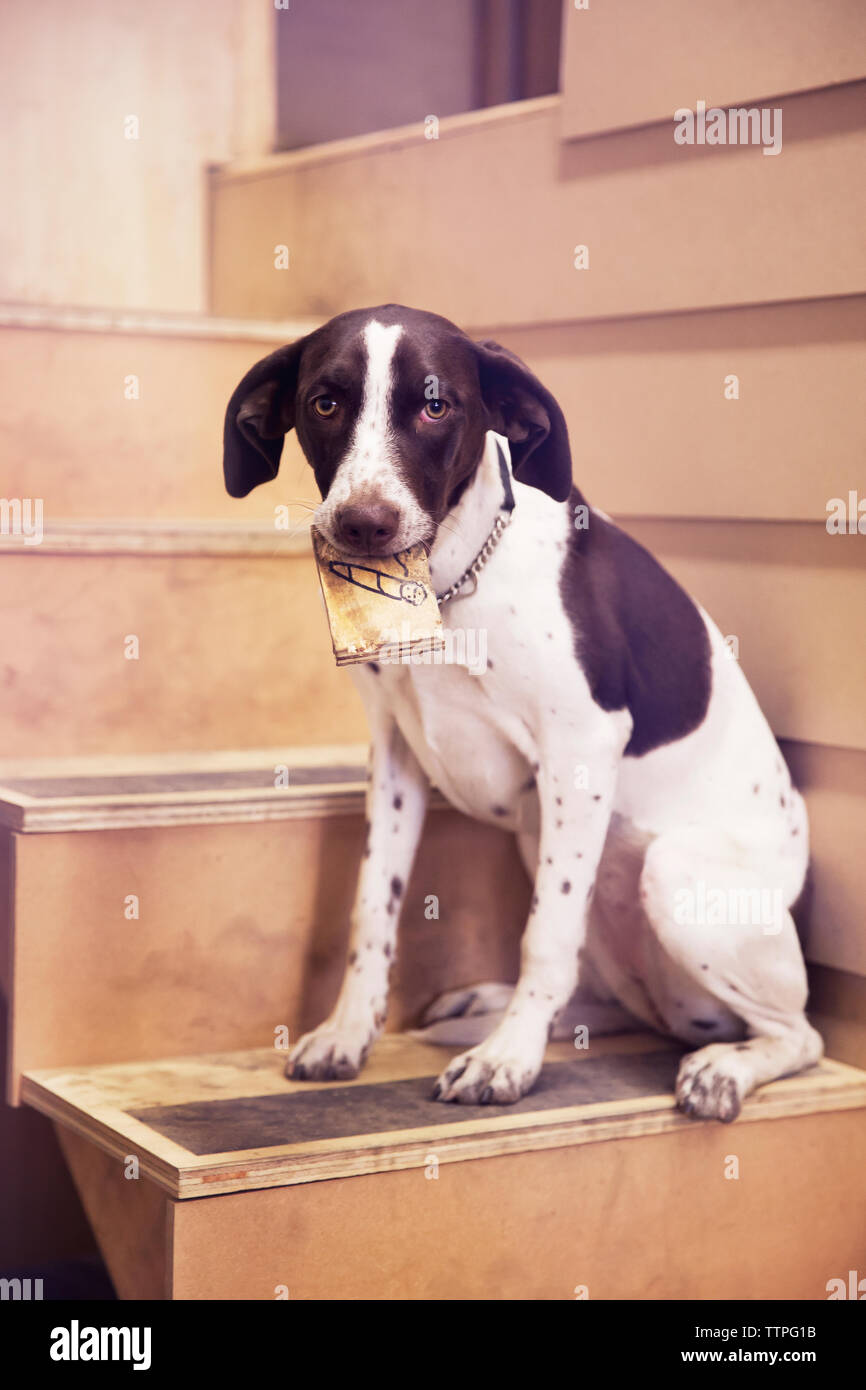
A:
[610,729]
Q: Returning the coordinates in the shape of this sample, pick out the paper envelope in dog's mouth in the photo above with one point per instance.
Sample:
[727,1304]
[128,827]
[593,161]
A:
[380,607]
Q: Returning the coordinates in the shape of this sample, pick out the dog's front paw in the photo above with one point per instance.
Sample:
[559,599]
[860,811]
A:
[330,1053]
[488,1075]
[713,1082]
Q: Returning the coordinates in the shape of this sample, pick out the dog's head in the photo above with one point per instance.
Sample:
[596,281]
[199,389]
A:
[392,406]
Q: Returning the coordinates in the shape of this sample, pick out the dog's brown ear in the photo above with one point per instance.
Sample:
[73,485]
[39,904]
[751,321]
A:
[259,414]
[527,414]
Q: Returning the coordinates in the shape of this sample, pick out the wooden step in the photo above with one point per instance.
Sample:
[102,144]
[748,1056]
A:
[231,1122]
[193,789]
[75,438]
[736,51]
[655,216]
[370,1188]
[165,905]
[230,620]
[239,868]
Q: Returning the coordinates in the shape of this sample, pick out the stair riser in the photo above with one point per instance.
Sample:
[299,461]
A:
[234,652]
[76,436]
[655,216]
[237,933]
[617,1220]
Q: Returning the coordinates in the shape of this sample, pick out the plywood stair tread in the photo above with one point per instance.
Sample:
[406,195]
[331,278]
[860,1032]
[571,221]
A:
[214,327]
[123,792]
[231,1122]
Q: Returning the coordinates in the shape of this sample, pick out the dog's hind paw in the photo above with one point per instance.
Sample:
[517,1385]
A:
[713,1083]
[487,998]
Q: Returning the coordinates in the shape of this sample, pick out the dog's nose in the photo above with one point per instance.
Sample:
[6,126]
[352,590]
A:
[370,529]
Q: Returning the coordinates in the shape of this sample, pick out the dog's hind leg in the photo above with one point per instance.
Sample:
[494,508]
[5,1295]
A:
[727,964]
[461,1017]
[464,1016]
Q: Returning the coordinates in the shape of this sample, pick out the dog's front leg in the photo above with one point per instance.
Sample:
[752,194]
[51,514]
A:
[575,812]
[396,803]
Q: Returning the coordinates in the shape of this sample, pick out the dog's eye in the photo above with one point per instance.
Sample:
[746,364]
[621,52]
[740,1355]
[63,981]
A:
[436,410]
[324,406]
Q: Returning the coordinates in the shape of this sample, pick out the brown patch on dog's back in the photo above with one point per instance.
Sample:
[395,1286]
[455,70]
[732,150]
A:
[638,637]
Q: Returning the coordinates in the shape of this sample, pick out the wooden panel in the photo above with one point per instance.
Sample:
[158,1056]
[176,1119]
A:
[723,54]
[6,899]
[218,1124]
[794,597]
[497,207]
[73,439]
[652,433]
[233,653]
[834,783]
[837,1007]
[130,1217]
[127,220]
[40,1216]
[242,929]
[533,1226]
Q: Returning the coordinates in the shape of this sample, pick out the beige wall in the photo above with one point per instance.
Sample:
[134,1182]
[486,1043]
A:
[90,216]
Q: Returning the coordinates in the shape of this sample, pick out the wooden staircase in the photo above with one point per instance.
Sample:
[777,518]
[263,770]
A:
[178,920]
[172,904]
[212,1177]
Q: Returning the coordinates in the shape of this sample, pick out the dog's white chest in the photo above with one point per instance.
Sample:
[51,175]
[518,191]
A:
[466,741]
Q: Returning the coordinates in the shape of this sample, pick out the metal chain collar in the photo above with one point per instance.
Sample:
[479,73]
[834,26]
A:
[480,560]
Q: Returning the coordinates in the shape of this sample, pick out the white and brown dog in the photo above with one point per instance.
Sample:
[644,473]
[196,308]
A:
[609,729]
